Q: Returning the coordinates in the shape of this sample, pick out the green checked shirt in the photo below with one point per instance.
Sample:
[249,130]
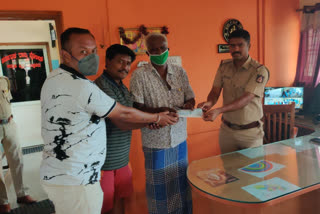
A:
[118,146]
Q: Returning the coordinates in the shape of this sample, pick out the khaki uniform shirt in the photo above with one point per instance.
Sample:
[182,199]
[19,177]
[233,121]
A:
[147,87]
[5,106]
[251,77]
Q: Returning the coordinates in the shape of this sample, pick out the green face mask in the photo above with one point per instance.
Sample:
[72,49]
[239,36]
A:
[160,59]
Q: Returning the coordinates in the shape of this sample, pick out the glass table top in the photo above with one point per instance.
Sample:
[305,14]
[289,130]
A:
[260,174]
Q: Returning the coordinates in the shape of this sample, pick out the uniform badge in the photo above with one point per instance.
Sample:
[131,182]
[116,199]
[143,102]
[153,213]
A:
[260,78]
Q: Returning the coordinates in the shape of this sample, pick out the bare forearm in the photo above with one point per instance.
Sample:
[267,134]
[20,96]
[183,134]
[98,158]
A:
[238,103]
[132,115]
[122,115]
[212,98]
[128,125]
[214,95]
[190,102]
[142,107]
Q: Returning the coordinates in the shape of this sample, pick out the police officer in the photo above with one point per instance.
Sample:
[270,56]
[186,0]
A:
[12,150]
[243,80]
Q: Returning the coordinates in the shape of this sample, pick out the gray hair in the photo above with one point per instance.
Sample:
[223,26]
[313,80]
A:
[153,35]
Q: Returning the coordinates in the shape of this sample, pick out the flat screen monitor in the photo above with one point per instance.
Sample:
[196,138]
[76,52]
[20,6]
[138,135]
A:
[284,95]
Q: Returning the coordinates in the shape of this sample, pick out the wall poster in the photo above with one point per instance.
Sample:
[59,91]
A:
[138,47]
[27,66]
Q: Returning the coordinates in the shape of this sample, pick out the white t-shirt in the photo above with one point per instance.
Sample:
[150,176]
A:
[72,129]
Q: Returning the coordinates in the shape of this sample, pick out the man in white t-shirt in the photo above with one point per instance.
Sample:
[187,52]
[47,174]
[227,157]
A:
[73,128]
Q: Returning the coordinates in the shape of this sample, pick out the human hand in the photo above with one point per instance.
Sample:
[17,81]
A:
[174,114]
[167,118]
[153,126]
[188,105]
[162,109]
[211,115]
[205,106]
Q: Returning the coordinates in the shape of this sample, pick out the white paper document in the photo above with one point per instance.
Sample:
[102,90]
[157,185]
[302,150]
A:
[190,113]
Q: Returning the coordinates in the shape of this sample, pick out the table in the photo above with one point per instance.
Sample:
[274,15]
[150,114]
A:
[285,179]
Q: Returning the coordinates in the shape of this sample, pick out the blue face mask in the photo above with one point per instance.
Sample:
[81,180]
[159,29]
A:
[88,65]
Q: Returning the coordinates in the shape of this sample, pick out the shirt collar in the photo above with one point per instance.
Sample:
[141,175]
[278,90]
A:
[72,71]
[247,63]
[106,75]
[169,69]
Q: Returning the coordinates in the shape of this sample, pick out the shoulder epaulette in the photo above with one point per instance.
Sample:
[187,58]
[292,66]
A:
[259,66]
[225,61]
[255,64]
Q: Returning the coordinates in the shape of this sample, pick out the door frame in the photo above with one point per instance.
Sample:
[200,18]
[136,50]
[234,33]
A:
[34,15]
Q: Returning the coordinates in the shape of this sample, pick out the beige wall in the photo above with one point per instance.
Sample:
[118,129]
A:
[28,31]
[27,114]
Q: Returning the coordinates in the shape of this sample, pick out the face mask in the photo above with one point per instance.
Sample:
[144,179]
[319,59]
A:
[160,59]
[88,65]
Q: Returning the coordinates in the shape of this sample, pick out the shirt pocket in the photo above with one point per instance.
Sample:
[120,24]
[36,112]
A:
[227,81]
[177,96]
[228,86]
[6,96]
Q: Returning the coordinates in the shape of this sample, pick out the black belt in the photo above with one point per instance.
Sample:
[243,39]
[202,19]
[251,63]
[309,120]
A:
[5,121]
[241,127]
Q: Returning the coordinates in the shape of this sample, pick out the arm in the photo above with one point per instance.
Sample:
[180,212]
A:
[215,92]
[106,89]
[96,102]
[189,104]
[129,126]
[143,107]
[122,116]
[235,105]
[254,88]
[212,99]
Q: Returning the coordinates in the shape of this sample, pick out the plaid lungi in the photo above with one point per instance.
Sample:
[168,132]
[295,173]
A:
[166,180]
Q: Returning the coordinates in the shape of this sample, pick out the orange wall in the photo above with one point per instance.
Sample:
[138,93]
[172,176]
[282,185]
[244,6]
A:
[282,33]
[195,30]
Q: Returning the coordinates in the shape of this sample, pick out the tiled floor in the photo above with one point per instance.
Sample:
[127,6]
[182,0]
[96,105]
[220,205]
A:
[31,178]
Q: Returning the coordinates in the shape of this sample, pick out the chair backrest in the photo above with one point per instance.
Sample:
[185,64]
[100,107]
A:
[278,122]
